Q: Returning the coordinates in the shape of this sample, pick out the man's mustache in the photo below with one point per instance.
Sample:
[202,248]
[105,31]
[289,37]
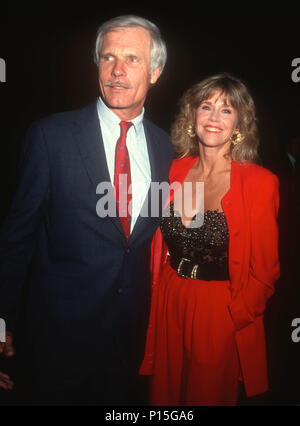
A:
[118,83]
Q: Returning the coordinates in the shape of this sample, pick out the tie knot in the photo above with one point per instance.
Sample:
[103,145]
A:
[125,125]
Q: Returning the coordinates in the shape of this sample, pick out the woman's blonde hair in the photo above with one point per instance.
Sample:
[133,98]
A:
[234,90]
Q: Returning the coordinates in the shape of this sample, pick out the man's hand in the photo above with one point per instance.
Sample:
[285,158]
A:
[5,382]
[6,348]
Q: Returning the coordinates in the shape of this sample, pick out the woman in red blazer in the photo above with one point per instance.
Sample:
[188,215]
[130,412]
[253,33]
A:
[210,283]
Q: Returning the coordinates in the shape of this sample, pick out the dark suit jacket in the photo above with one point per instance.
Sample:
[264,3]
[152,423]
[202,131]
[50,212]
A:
[88,290]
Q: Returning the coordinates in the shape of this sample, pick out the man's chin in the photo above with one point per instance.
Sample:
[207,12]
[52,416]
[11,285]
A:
[123,109]
[115,104]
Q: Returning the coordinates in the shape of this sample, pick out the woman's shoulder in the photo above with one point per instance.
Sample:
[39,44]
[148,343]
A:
[180,167]
[179,162]
[251,172]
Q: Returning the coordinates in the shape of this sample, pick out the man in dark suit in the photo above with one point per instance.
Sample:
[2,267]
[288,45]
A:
[88,291]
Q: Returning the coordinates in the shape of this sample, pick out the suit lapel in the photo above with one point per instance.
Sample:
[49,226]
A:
[153,151]
[89,140]
[146,225]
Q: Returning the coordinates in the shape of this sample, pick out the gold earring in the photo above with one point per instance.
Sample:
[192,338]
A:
[236,137]
[191,132]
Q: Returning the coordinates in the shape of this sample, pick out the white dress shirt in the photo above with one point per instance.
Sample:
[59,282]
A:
[138,154]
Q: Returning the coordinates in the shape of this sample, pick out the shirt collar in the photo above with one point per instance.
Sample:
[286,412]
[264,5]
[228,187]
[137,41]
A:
[111,119]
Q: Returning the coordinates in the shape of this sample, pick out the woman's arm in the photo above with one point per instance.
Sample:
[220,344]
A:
[264,263]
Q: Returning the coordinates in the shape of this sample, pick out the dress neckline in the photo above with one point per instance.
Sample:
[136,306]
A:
[177,214]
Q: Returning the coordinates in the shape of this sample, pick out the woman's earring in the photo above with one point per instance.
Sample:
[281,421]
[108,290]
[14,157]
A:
[236,137]
[191,131]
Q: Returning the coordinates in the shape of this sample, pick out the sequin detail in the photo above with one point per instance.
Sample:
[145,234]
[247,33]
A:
[206,246]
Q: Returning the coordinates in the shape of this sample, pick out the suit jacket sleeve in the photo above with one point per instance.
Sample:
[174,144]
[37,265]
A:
[251,300]
[18,233]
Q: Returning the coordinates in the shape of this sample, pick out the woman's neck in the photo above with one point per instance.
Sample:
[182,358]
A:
[213,160]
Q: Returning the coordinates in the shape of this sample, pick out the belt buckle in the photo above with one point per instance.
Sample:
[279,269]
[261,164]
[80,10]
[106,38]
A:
[193,274]
[180,266]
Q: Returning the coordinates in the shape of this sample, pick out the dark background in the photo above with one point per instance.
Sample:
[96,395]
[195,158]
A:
[49,57]
[48,52]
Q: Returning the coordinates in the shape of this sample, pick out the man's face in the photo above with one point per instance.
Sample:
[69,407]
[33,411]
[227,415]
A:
[124,70]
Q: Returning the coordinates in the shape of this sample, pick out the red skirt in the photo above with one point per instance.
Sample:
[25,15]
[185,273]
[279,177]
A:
[196,359]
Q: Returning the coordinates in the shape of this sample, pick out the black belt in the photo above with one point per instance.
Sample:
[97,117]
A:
[187,268]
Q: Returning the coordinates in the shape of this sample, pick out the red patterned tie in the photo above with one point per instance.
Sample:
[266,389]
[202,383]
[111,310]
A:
[122,179]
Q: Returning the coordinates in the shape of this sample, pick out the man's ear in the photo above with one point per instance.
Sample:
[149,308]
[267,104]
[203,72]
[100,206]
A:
[155,75]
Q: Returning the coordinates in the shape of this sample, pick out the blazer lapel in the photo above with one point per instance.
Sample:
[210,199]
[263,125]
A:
[90,143]
[146,225]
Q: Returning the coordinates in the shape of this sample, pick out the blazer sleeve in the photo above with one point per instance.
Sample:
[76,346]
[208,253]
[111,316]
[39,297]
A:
[18,233]
[264,269]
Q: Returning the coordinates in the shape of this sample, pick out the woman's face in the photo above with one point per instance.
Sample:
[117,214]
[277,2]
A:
[216,119]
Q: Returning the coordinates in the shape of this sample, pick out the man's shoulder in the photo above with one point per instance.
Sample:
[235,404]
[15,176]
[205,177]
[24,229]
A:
[57,130]
[160,137]
[156,130]
[66,119]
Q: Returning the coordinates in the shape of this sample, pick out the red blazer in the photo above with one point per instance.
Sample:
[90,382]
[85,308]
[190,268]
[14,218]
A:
[251,208]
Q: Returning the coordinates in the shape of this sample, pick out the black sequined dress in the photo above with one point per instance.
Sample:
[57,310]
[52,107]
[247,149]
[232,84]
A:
[199,252]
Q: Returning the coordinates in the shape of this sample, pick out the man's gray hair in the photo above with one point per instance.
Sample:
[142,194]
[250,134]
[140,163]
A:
[158,52]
